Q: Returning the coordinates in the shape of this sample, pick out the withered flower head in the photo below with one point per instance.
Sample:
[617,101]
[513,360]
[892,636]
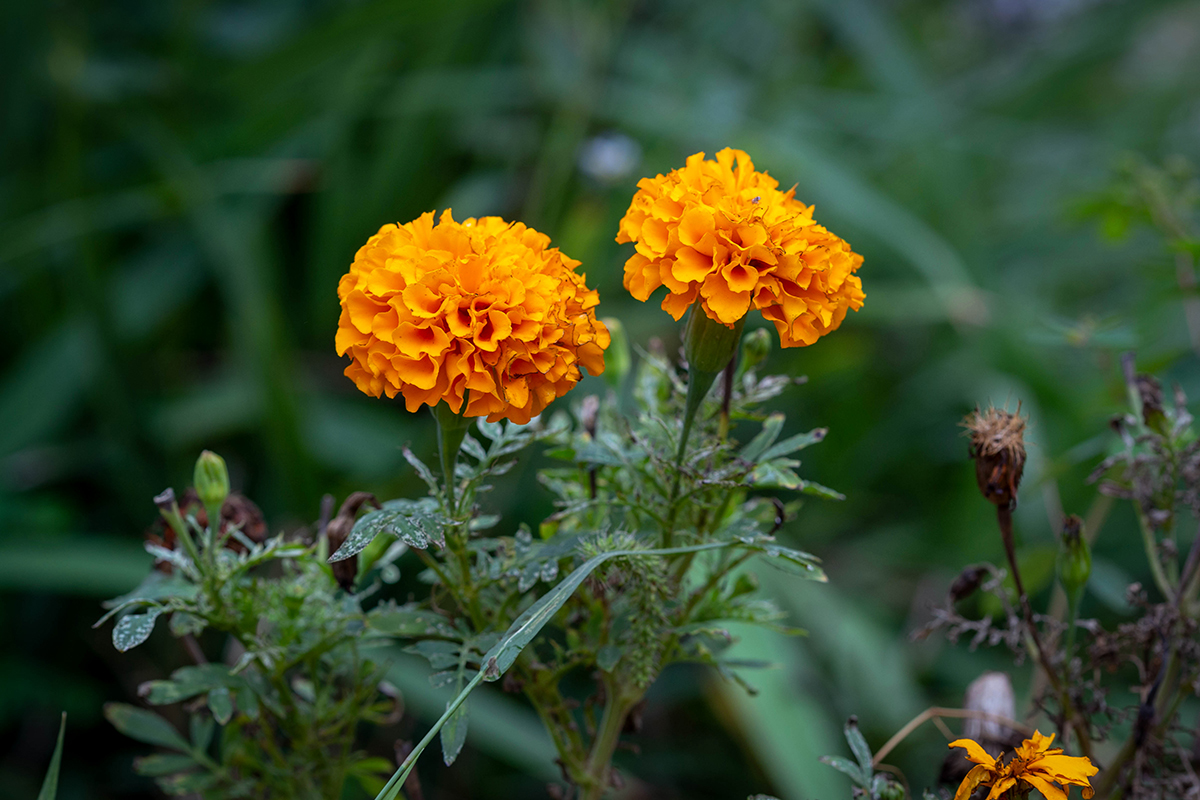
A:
[998,447]
[338,530]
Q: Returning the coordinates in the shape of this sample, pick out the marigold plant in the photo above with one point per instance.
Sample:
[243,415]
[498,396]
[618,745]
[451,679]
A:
[1034,765]
[725,236]
[483,310]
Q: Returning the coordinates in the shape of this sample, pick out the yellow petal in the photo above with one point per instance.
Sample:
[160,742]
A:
[976,776]
[975,752]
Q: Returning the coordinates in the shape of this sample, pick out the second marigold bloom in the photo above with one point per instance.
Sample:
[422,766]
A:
[432,312]
[726,237]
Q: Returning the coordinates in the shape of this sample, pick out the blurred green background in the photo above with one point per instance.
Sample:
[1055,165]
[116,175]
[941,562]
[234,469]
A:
[184,182]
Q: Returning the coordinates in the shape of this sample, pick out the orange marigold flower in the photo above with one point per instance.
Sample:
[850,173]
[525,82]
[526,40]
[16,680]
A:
[726,236]
[483,306]
[1033,766]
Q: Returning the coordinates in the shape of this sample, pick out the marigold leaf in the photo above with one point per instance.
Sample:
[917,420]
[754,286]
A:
[417,523]
[454,734]
[860,748]
[848,767]
[408,621]
[160,764]
[133,629]
[794,443]
[220,703]
[771,428]
[144,726]
[187,682]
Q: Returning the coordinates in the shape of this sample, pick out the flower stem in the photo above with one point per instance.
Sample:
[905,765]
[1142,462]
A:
[452,429]
[599,763]
[1004,518]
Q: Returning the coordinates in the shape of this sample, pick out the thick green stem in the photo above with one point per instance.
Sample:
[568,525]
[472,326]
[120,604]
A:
[452,429]
[709,347]
[599,763]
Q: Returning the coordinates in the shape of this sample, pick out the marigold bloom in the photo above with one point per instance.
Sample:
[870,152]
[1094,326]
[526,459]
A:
[1033,766]
[725,236]
[484,306]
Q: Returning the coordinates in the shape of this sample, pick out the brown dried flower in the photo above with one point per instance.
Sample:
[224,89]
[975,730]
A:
[998,447]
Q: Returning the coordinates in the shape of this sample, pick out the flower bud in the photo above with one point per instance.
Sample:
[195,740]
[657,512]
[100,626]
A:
[617,358]
[998,448]
[1074,557]
[709,345]
[756,346]
[211,479]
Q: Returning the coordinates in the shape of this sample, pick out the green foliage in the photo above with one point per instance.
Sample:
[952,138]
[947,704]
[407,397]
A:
[282,719]
[652,546]
[869,783]
[146,319]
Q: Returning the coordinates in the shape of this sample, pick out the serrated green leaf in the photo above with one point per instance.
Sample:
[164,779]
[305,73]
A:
[247,701]
[594,452]
[144,726]
[862,752]
[201,728]
[50,783]
[817,490]
[160,764]
[454,734]
[407,621]
[187,682]
[771,428]
[220,703]
[790,559]
[794,443]
[156,586]
[848,767]
[774,475]
[417,523]
[133,629]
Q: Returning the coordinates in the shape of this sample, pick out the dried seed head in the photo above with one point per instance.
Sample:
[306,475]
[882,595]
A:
[967,582]
[998,447]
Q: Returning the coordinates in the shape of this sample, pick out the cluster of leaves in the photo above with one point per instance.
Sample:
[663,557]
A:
[277,716]
[653,551]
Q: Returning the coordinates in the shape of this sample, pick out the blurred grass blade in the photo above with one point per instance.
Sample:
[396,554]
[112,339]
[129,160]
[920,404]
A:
[50,784]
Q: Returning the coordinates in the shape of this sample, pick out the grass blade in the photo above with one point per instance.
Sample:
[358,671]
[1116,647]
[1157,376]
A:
[50,784]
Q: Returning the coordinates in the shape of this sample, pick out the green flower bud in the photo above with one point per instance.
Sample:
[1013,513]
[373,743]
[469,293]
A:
[1074,557]
[756,346]
[617,359]
[709,345]
[211,480]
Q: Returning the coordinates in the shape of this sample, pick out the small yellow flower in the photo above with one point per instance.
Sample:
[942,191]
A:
[484,306]
[1033,766]
[726,237]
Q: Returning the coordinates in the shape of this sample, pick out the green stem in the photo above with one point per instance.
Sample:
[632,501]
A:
[709,347]
[1156,566]
[1071,716]
[599,764]
[452,429]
